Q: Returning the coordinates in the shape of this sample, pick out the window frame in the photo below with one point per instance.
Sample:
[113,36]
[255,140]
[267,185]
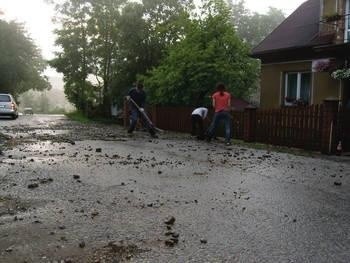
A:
[299,74]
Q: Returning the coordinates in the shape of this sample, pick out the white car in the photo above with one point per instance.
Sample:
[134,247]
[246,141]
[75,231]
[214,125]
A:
[8,106]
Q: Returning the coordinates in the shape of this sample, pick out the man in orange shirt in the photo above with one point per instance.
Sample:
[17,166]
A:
[221,104]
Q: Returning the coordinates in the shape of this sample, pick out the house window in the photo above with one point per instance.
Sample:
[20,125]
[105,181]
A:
[347,22]
[297,88]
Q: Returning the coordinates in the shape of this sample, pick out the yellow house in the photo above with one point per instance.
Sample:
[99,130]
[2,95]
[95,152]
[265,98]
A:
[299,56]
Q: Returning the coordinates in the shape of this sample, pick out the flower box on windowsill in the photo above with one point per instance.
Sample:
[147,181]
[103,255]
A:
[341,74]
[332,17]
[323,65]
[290,100]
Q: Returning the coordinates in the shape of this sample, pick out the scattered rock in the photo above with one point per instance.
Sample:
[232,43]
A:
[46,180]
[338,183]
[32,186]
[169,243]
[98,150]
[175,235]
[94,213]
[170,220]
[175,240]
[204,241]
[82,244]
[75,176]
[9,249]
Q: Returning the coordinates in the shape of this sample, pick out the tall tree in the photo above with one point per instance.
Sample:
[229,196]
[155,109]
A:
[21,63]
[130,59]
[254,27]
[74,59]
[211,52]
[104,32]
[146,30]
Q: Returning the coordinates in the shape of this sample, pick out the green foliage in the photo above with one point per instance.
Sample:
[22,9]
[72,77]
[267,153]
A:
[112,41]
[341,74]
[254,27]
[179,55]
[211,52]
[147,30]
[331,17]
[78,116]
[21,64]
[74,61]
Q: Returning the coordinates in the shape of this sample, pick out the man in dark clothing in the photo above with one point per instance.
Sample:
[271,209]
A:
[139,96]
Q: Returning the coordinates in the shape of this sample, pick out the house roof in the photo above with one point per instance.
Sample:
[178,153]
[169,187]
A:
[298,30]
[239,104]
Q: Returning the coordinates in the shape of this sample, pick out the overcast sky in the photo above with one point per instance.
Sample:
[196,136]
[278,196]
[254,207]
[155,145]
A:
[36,15]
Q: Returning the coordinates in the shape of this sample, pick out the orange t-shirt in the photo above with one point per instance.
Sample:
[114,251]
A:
[221,102]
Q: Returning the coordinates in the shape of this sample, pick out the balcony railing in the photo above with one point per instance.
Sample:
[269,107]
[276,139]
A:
[340,27]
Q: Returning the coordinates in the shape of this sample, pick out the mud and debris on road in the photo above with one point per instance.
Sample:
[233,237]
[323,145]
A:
[74,192]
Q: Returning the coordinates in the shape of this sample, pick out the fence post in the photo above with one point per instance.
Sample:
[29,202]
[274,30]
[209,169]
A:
[125,115]
[249,123]
[154,114]
[329,125]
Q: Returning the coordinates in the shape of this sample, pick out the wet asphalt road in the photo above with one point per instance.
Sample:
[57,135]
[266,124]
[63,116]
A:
[75,192]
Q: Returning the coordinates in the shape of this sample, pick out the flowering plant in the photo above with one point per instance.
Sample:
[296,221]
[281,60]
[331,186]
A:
[332,17]
[341,73]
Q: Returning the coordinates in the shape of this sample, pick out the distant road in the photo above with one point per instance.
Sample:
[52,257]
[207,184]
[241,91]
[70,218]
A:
[36,119]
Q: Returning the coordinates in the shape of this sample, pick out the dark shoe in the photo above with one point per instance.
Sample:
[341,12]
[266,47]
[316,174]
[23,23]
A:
[208,139]
[154,136]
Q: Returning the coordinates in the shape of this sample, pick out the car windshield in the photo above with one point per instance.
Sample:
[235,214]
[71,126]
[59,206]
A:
[5,98]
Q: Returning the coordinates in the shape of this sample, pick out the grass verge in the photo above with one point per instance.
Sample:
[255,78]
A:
[78,116]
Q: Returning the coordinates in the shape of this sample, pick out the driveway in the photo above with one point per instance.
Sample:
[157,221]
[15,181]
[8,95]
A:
[74,192]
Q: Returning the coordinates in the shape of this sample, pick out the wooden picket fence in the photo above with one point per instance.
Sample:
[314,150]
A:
[315,127]
[299,127]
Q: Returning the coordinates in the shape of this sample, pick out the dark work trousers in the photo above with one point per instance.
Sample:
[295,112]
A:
[134,116]
[218,117]
[197,121]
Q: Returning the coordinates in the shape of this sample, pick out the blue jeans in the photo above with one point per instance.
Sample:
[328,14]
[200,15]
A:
[226,118]
[134,116]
